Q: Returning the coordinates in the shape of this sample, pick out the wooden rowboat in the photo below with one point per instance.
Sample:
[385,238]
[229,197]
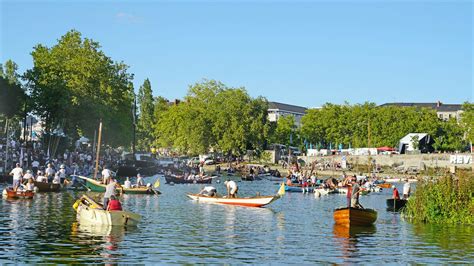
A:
[258,201]
[396,204]
[96,186]
[47,187]
[385,185]
[19,194]
[91,212]
[179,179]
[354,216]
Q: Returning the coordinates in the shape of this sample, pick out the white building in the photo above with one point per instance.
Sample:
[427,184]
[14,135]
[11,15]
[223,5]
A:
[443,111]
[277,110]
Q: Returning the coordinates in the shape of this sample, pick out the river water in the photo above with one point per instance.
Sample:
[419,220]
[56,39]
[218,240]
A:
[298,228]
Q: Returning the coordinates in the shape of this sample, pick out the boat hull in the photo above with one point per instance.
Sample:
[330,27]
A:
[96,186]
[298,188]
[47,187]
[396,204]
[177,180]
[246,202]
[354,216]
[11,194]
[93,214]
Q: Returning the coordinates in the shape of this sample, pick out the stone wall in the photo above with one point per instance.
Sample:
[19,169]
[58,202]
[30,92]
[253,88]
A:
[402,160]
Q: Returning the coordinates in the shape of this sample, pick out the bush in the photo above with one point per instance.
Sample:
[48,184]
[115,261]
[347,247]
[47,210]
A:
[449,199]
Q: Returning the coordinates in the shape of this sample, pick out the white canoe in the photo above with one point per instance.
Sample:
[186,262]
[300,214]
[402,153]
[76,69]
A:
[258,201]
[90,212]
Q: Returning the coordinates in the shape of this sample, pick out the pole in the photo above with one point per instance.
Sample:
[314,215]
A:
[98,151]
[134,113]
[6,149]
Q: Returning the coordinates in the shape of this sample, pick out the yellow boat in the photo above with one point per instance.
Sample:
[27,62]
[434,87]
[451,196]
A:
[91,212]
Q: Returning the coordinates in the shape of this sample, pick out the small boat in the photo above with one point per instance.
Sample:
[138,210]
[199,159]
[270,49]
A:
[91,212]
[18,194]
[385,185]
[96,186]
[257,201]
[396,204]
[341,190]
[354,216]
[297,188]
[179,179]
[47,187]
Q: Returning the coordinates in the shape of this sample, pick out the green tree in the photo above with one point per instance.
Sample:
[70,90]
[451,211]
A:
[74,84]
[145,116]
[467,121]
[12,98]
[285,131]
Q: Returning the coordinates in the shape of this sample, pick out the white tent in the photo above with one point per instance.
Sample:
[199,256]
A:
[408,140]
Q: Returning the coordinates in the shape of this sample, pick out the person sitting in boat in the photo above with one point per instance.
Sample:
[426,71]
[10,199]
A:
[114,204]
[62,172]
[27,176]
[56,179]
[127,183]
[17,174]
[30,185]
[209,191]
[232,188]
[110,190]
[406,189]
[140,182]
[355,194]
[40,177]
[395,194]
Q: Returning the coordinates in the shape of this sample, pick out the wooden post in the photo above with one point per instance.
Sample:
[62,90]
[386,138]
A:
[98,151]
[6,148]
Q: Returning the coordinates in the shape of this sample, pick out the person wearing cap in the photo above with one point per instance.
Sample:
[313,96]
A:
[395,194]
[27,176]
[17,174]
[62,172]
[40,177]
[140,182]
[232,188]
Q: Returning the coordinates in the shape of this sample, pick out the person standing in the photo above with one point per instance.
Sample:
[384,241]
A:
[49,172]
[355,194]
[140,182]
[106,175]
[17,174]
[395,195]
[406,189]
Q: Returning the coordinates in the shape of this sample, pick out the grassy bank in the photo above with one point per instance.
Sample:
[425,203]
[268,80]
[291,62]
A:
[448,199]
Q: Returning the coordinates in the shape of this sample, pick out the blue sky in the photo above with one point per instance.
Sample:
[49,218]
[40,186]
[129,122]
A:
[303,53]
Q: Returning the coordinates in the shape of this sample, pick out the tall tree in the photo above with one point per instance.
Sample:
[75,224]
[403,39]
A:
[467,121]
[74,85]
[145,116]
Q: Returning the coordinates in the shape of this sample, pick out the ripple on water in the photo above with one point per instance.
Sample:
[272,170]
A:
[296,229]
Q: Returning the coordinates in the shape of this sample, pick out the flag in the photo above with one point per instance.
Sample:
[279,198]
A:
[157,183]
[281,191]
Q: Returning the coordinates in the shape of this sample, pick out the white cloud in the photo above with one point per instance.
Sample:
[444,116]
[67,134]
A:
[122,16]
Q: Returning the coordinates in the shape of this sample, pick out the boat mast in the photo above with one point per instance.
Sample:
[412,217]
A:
[98,151]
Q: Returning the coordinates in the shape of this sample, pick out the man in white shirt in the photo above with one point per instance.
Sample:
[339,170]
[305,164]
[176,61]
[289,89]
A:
[232,188]
[106,174]
[406,189]
[49,172]
[140,182]
[17,174]
[127,183]
[209,191]
[41,178]
[28,176]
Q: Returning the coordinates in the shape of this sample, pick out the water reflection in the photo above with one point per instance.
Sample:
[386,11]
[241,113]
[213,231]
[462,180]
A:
[348,238]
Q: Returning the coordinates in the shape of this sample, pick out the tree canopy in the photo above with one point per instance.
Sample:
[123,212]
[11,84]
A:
[73,85]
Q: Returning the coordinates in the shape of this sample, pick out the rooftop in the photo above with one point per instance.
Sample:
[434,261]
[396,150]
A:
[287,107]
[438,106]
